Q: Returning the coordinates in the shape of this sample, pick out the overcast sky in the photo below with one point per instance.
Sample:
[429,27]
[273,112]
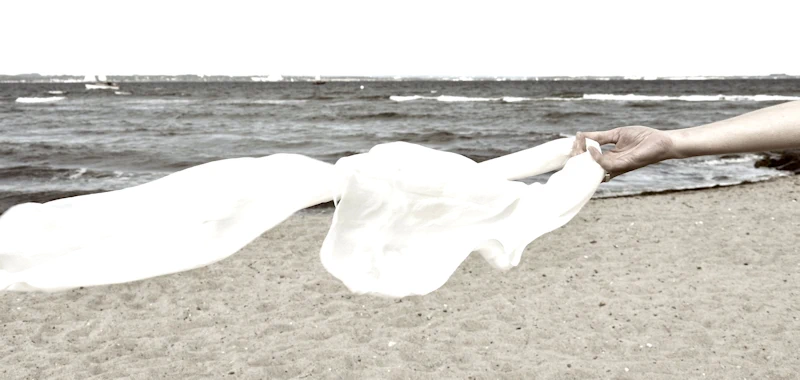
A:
[342,37]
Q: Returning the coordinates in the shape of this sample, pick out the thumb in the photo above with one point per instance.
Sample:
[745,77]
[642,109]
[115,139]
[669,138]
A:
[605,162]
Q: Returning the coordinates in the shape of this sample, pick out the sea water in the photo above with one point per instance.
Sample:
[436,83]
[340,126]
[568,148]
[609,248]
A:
[59,139]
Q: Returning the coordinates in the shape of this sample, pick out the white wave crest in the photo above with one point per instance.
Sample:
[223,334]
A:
[398,98]
[449,98]
[453,99]
[121,93]
[740,159]
[49,99]
[278,102]
[605,97]
[250,102]
[514,99]
[55,92]
[762,98]
[689,98]
[78,173]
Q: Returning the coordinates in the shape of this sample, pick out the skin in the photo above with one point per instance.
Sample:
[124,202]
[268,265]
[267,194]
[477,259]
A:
[771,128]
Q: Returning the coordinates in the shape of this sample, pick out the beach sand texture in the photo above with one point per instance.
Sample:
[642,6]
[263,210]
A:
[697,284]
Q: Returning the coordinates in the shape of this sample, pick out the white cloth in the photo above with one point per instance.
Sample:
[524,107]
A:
[406,217]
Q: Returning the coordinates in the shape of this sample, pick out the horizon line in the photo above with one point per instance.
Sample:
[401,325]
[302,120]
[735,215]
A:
[288,77]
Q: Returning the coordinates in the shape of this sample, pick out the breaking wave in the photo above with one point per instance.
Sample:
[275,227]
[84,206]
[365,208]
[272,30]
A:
[456,99]
[689,98]
[32,100]
[603,97]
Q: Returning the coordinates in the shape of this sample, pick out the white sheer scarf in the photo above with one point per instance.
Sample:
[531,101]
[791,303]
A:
[406,217]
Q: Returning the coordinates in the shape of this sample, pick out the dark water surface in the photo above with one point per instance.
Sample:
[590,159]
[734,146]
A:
[79,141]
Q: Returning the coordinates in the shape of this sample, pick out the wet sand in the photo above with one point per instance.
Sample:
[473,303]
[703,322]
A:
[697,284]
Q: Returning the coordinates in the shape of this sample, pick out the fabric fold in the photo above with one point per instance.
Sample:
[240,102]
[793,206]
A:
[397,232]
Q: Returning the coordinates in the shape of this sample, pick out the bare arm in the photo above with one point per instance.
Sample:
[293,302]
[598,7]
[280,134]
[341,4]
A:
[771,128]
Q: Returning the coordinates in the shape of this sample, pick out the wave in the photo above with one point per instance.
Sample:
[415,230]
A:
[722,181]
[78,173]
[55,92]
[732,159]
[644,105]
[196,115]
[10,198]
[567,95]
[398,98]
[465,140]
[371,116]
[158,101]
[429,137]
[261,102]
[689,98]
[456,99]
[602,97]
[49,173]
[449,98]
[514,99]
[561,115]
[482,154]
[371,97]
[33,100]
[280,102]
[380,115]
[332,157]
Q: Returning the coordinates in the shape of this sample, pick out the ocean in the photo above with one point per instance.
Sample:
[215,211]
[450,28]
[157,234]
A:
[59,139]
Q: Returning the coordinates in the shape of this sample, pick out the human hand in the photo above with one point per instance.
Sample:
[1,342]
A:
[636,147]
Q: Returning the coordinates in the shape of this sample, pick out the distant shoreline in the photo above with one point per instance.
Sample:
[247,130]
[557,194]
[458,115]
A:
[38,78]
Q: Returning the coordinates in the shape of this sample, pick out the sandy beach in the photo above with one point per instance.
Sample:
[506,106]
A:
[695,284]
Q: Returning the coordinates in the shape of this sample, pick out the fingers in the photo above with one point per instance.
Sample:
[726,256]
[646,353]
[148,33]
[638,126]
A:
[603,137]
[579,145]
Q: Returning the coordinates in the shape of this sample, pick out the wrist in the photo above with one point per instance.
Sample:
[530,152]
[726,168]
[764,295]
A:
[678,148]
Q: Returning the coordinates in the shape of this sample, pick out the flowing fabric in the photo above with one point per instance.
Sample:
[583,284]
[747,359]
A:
[406,217]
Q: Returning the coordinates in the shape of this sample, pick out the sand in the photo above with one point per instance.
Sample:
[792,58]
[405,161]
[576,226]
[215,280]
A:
[697,284]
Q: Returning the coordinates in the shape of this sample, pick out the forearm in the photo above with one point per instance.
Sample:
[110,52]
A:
[772,128]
